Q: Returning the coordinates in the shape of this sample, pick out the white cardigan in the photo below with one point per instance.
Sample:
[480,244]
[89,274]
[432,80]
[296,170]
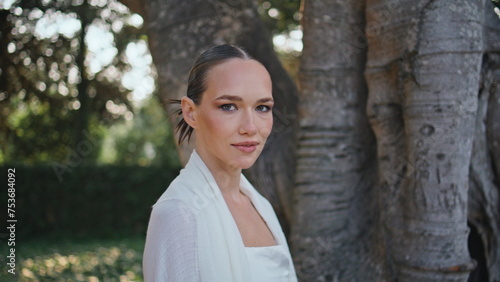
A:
[192,235]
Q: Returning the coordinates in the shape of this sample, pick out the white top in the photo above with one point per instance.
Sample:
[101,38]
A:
[268,263]
[192,235]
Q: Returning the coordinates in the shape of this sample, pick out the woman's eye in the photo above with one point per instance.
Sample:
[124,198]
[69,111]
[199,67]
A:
[228,107]
[263,108]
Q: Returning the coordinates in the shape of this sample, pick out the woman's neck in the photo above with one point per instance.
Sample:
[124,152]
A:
[227,176]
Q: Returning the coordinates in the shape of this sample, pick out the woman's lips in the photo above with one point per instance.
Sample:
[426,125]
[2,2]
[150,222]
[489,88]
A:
[246,147]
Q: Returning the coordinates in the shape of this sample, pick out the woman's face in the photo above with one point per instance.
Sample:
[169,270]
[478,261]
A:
[234,117]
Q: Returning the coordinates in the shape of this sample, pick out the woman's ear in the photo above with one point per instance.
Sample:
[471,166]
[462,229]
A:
[188,111]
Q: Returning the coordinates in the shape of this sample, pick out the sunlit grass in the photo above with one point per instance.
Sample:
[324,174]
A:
[106,260]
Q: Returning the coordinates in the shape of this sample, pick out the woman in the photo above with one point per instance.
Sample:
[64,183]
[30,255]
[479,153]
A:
[211,224]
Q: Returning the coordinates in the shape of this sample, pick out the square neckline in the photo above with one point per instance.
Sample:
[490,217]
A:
[276,243]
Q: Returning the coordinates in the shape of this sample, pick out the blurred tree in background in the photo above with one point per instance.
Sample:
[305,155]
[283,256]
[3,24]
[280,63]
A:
[280,16]
[141,141]
[71,70]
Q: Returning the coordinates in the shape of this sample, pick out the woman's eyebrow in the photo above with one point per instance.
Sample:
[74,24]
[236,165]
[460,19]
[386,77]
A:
[229,97]
[264,100]
[239,99]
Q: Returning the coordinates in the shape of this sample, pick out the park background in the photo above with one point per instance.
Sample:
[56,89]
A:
[84,121]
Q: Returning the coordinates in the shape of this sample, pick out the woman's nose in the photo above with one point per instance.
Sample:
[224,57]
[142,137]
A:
[248,125]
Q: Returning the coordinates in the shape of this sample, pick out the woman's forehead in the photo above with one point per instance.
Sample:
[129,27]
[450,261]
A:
[238,77]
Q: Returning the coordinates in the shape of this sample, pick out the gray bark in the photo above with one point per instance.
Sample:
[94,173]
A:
[483,213]
[332,224]
[423,74]
[179,31]
[492,49]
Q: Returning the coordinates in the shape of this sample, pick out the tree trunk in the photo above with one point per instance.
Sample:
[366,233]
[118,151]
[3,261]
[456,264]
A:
[492,42]
[179,31]
[332,224]
[484,214]
[423,74]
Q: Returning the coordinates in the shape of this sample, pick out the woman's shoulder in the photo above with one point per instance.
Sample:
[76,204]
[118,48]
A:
[185,190]
[181,189]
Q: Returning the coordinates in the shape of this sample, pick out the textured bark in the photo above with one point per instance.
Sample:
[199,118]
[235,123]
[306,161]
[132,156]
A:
[492,48]
[423,75]
[335,153]
[180,30]
[484,199]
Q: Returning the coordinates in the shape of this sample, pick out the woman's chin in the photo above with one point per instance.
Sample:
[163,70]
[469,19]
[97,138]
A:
[247,166]
[244,163]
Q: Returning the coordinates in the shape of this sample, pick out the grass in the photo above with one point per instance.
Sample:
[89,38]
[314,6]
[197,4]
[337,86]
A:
[83,260]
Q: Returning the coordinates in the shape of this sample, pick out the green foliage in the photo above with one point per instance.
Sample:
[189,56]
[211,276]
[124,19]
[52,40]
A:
[147,139]
[90,201]
[41,135]
[280,16]
[53,85]
[72,260]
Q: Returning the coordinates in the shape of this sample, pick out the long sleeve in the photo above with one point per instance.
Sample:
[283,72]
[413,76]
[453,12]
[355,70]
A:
[171,250]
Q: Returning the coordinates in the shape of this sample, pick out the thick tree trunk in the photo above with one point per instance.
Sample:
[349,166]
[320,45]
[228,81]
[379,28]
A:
[180,30]
[493,117]
[423,74]
[484,200]
[492,49]
[332,227]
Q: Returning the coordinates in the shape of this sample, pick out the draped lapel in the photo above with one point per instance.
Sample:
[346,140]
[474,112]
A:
[208,190]
[235,247]
[264,209]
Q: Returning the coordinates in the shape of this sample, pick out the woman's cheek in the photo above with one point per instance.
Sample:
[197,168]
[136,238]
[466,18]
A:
[268,127]
[217,123]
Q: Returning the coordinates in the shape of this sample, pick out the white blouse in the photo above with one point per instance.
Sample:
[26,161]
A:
[192,235]
[268,263]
